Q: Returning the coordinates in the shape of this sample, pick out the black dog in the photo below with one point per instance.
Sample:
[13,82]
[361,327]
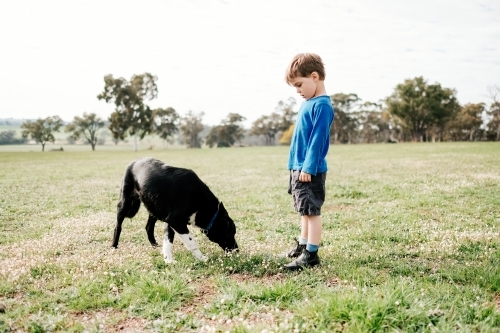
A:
[178,197]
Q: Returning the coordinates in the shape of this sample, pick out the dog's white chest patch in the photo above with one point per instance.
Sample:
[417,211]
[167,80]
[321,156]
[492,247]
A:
[192,219]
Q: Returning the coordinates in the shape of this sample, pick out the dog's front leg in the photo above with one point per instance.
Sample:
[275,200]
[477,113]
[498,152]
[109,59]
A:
[168,242]
[192,245]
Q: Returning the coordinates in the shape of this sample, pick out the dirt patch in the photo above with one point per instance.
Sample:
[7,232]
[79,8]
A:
[496,299]
[205,293]
[130,325]
[110,320]
[333,282]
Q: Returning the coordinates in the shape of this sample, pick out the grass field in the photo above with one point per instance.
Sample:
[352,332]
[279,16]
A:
[411,244]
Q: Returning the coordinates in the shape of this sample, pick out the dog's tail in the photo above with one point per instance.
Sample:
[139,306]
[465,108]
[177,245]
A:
[129,202]
[128,205]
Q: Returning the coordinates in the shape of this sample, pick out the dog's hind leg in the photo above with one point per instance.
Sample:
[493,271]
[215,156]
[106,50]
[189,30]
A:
[126,208]
[150,230]
[168,241]
[128,205]
[117,232]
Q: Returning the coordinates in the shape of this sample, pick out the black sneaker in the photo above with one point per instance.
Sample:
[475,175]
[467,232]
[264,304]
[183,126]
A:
[297,250]
[306,259]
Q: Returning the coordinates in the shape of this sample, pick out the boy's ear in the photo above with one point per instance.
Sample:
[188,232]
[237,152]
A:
[314,76]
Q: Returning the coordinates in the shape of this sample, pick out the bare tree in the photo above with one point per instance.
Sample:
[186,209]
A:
[494,111]
[87,127]
[191,126]
[165,122]
[268,126]
[42,130]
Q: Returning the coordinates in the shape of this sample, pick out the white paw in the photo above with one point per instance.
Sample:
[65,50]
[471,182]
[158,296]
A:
[169,261]
[200,256]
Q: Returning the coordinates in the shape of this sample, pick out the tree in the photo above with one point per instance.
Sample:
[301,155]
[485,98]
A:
[286,138]
[212,137]
[395,128]
[345,123]
[285,109]
[131,115]
[191,126]
[9,138]
[287,113]
[279,121]
[42,130]
[444,107]
[87,127]
[494,113]
[420,106]
[467,124]
[227,133]
[165,122]
[372,124]
[268,126]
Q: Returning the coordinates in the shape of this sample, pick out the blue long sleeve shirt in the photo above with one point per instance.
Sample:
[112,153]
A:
[311,136]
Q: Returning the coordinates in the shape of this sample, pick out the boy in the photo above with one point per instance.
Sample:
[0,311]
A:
[308,149]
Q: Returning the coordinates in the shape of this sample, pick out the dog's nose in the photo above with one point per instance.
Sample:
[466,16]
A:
[233,248]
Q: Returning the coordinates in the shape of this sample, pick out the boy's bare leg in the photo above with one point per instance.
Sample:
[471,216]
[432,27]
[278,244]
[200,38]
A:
[315,227]
[304,231]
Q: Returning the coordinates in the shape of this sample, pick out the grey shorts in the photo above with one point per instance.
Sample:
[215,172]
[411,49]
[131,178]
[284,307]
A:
[307,197]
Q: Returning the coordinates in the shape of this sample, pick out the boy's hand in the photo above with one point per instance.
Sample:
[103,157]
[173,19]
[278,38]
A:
[304,177]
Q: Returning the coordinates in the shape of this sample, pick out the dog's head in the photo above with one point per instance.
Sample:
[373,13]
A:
[223,231]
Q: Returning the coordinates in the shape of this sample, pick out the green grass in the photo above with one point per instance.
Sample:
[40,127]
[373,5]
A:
[410,244]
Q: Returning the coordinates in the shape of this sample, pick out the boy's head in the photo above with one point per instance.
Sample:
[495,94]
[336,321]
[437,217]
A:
[306,73]
[304,64]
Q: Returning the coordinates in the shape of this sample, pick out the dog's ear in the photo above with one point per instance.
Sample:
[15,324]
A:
[222,208]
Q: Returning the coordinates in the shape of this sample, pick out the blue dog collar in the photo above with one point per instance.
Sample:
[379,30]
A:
[213,220]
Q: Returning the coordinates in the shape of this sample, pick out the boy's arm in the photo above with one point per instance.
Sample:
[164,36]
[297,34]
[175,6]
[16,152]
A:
[321,119]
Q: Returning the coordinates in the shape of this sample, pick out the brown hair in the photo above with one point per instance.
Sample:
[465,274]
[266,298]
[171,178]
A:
[303,64]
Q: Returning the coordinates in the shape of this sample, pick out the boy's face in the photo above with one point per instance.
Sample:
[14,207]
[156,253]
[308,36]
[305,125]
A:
[306,86]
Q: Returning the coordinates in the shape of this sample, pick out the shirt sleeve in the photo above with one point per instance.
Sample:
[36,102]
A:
[321,119]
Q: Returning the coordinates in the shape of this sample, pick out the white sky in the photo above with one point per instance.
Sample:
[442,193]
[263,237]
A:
[230,55]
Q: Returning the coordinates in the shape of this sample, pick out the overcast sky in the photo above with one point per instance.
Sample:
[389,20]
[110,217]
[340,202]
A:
[222,56]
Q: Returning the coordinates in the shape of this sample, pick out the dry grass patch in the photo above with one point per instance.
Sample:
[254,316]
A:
[266,320]
[73,244]
[330,207]
[265,280]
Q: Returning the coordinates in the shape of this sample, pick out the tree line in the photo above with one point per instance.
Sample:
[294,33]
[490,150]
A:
[415,111]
